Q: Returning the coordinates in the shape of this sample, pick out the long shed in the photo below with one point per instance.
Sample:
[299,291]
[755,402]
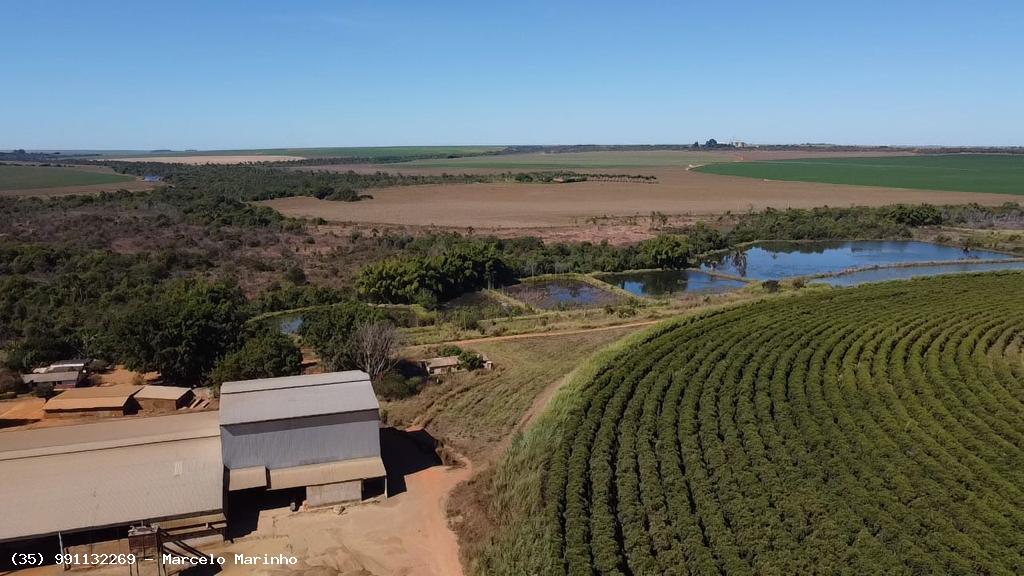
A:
[83,477]
[321,431]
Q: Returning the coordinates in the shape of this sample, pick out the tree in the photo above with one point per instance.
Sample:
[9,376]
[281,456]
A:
[375,347]
[666,251]
[330,332]
[268,354]
[711,143]
[189,327]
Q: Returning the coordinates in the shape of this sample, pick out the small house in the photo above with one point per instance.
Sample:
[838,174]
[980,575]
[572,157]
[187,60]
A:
[103,401]
[441,365]
[154,398]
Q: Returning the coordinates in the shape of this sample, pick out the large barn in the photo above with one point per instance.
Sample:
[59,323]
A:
[110,474]
[320,431]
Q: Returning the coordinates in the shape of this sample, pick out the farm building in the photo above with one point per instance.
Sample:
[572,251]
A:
[62,380]
[441,365]
[154,398]
[449,364]
[320,431]
[84,477]
[95,401]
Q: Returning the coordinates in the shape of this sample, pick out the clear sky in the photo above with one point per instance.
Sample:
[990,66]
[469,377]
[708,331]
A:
[218,74]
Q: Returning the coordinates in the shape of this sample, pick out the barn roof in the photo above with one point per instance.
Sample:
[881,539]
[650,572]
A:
[109,473]
[296,397]
[92,398]
[118,391]
[45,377]
[155,392]
[442,362]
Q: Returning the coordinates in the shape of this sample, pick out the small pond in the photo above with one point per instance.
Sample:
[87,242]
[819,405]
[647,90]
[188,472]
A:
[286,323]
[905,272]
[561,294]
[666,282]
[777,260]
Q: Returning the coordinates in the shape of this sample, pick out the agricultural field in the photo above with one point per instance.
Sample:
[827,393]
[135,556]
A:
[43,177]
[807,434]
[996,174]
[678,187]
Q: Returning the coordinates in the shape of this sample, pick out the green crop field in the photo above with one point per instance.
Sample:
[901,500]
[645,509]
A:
[873,430]
[32,177]
[574,160]
[1001,174]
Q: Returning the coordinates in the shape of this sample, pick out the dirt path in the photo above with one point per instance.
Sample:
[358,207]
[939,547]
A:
[550,334]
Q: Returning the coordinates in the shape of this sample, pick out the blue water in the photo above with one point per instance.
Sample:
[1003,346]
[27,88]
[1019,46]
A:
[777,260]
[883,274]
[557,294]
[665,282]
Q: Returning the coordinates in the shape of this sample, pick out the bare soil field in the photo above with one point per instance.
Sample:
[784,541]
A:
[678,191]
[226,159]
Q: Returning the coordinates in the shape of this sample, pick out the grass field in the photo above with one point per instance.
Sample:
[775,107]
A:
[475,411]
[999,174]
[571,160]
[818,434]
[34,177]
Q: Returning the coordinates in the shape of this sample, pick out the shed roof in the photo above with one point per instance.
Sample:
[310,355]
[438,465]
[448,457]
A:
[109,474]
[293,381]
[45,377]
[118,391]
[155,392]
[442,362]
[296,397]
[107,434]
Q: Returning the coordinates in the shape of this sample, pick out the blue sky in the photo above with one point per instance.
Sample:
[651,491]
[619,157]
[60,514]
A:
[209,75]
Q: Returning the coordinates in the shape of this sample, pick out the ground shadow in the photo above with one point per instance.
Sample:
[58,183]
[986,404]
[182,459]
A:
[244,507]
[11,422]
[406,452]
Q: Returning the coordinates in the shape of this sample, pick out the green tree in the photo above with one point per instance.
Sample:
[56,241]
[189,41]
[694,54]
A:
[184,332]
[265,355]
[666,251]
[330,332]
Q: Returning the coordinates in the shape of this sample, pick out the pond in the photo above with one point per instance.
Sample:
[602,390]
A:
[666,282]
[777,260]
[905,272]
[561,294]
[286,323]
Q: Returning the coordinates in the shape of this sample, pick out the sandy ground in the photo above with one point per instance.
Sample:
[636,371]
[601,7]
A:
[227,159]
[677,191]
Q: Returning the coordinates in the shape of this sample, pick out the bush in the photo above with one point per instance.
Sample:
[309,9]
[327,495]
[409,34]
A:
[449,350]
[471,360]
[770,286]
[11,382]
[393,386]
[44,390]
[266,355]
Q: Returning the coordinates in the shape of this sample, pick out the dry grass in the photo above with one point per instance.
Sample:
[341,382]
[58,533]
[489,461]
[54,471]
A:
[475,411]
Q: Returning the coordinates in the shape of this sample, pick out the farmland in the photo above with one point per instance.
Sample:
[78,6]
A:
[39,177]
[996,174]
[818,433]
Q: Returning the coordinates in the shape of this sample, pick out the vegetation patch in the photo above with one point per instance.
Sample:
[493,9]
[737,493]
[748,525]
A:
[808,434]
[32,177]
[993,173]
